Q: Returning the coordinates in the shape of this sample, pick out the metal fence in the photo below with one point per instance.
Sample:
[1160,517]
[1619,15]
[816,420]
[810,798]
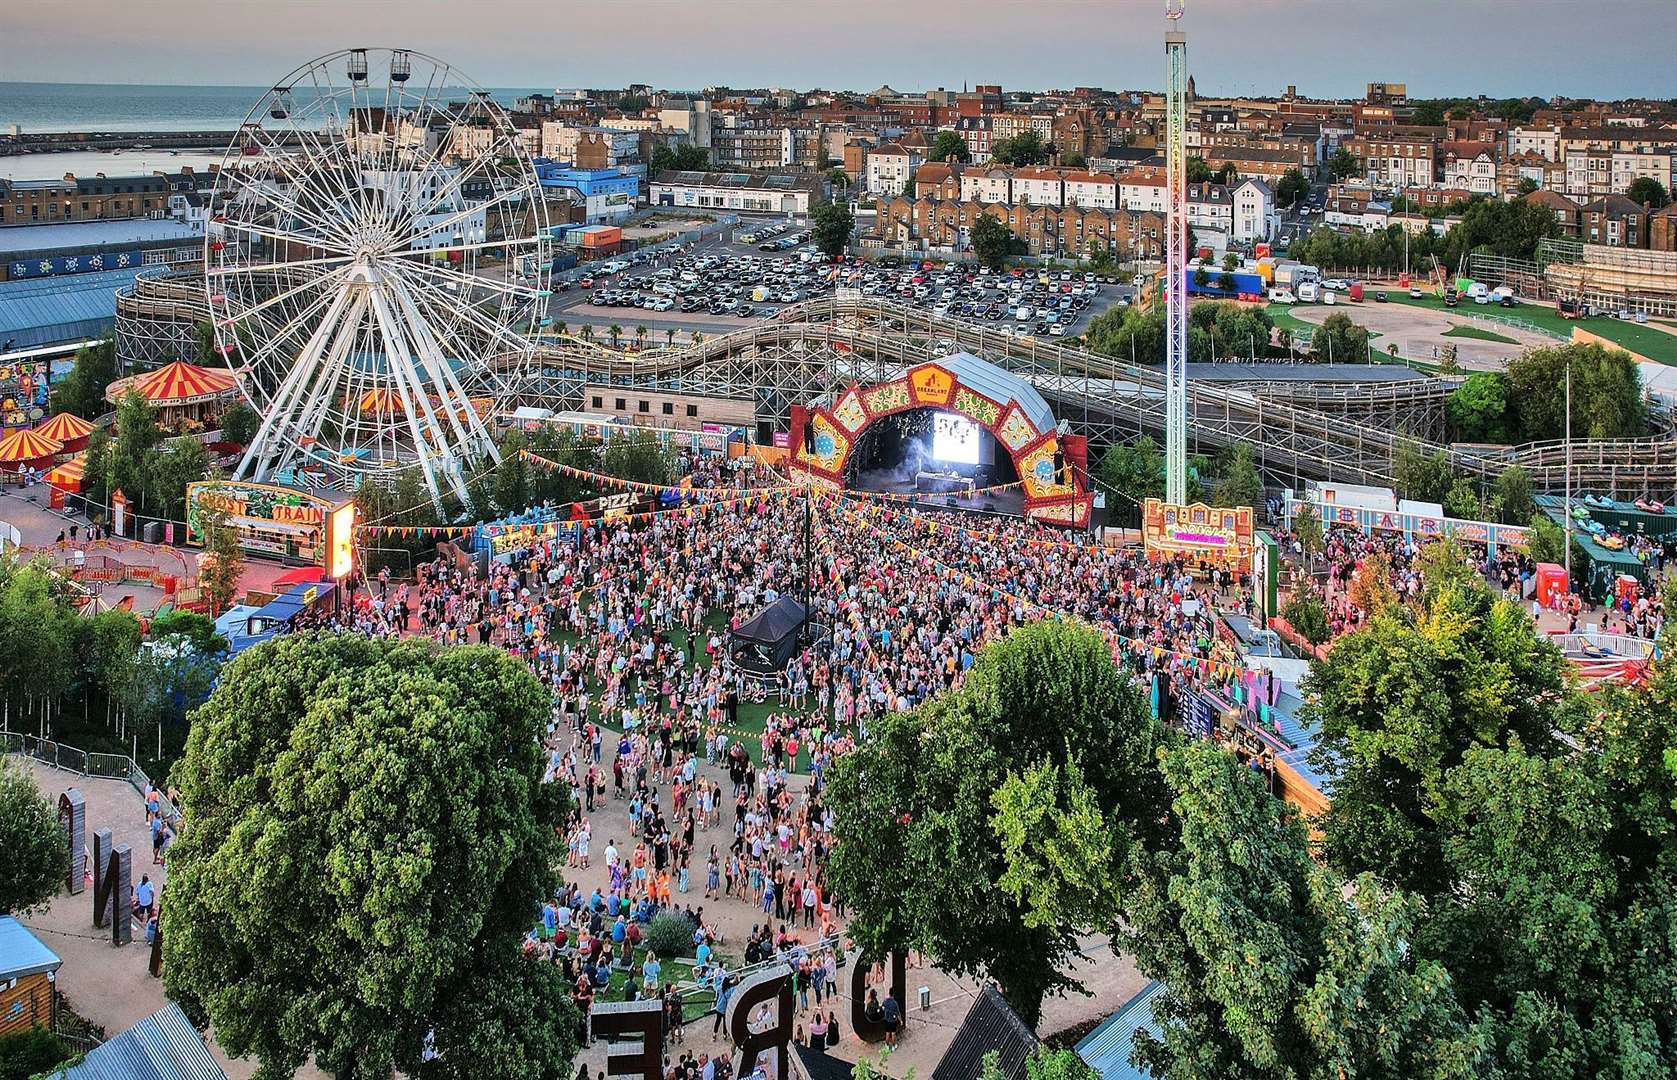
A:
[84,763]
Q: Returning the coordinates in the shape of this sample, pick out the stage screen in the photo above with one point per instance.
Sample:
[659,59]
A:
[954,439]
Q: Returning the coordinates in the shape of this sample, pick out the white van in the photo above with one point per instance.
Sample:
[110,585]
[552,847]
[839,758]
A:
[1308,292]
[1023,313]
[1329,297]
[1480,292]
[1282,296]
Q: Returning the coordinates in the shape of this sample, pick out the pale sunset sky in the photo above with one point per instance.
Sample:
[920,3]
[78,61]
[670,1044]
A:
[1603,48]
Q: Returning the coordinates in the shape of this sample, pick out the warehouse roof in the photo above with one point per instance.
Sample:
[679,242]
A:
[66,307]
[15,239]
[752,181]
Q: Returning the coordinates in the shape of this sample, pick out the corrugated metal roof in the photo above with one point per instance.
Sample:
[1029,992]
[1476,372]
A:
[46,311]
[990,1025]
[163,1046]
[16,239]
[1107,1048]
[1000,385]
[21,952]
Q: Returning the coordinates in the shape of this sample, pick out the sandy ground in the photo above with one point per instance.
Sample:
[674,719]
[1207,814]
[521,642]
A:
[1418,332]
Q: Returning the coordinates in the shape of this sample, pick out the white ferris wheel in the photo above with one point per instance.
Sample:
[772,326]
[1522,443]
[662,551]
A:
[377,262]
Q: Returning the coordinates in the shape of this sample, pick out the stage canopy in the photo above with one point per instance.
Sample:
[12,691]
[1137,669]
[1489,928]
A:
[767,641]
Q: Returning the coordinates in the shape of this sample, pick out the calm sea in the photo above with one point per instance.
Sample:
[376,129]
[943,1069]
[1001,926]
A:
[127,107]
[45,107]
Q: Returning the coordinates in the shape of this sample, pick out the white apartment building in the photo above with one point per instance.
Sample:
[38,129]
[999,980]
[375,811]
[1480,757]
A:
[1091,190]
[1143,191]
[889,167]
[987,185]
[1037,185]
[1254,211]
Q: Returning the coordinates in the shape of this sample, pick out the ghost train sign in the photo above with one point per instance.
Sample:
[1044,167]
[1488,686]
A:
[635,1029]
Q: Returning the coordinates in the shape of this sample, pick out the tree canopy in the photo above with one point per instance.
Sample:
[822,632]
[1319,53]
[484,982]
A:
[992,241]
[949,146]
[1025,148]
[368,839]
[82,391]
[34,856]
[831,224]
[1043,713]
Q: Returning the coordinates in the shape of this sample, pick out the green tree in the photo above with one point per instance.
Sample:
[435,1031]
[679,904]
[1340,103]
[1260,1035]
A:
[223,561]
[838,178]
[1042,1064]
[82,391]
[137,434]
[1307,527]
[34,855]
[1462,500]
[1646,191]
[1526,185]
[992,241]
[1238,483]
[678,159]
[1343,164]
[1545,541]
[1339,341]
[1425,477]
[369,840]
[1198,171]
[1511,496]
[1401,702]
[1025,148]
[638,456]
[941,805]
[239,424]
[949,146]
[1478,408]
[831,224]
[1136,472]
[1231,261]
[168,469]
[1074,160]
[512,483]
[1307,614]
[1272,966]
[1291,187]
[1607,393]
[1225,281]
[1202,276]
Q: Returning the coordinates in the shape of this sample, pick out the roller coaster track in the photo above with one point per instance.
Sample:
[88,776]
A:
[1317,430]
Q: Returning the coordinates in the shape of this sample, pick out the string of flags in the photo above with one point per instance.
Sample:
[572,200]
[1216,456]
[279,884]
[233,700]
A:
[607,481]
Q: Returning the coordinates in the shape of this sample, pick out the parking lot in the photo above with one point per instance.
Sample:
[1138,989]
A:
[723,285]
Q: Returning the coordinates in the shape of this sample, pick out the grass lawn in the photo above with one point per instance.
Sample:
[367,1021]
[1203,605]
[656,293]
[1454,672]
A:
[1478,334]
[1649,341]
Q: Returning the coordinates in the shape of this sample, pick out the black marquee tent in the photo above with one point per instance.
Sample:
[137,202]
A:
[766,643]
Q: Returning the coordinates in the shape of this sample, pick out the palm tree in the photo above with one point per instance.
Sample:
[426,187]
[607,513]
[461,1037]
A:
[560,329]
[640,336]
[587,332]
[696,338]
[616,333]
[669,337]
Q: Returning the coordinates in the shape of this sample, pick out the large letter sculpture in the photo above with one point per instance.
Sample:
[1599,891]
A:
[774,985]
[113,887]
[874,1030]
[628,1020]
[72,814]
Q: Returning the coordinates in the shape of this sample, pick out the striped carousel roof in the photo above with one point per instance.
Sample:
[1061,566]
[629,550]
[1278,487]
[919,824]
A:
[69,474]
[65,427]
[26,445]
[180,383]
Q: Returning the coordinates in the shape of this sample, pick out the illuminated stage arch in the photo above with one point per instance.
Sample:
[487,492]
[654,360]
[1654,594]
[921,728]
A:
[1004,404]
